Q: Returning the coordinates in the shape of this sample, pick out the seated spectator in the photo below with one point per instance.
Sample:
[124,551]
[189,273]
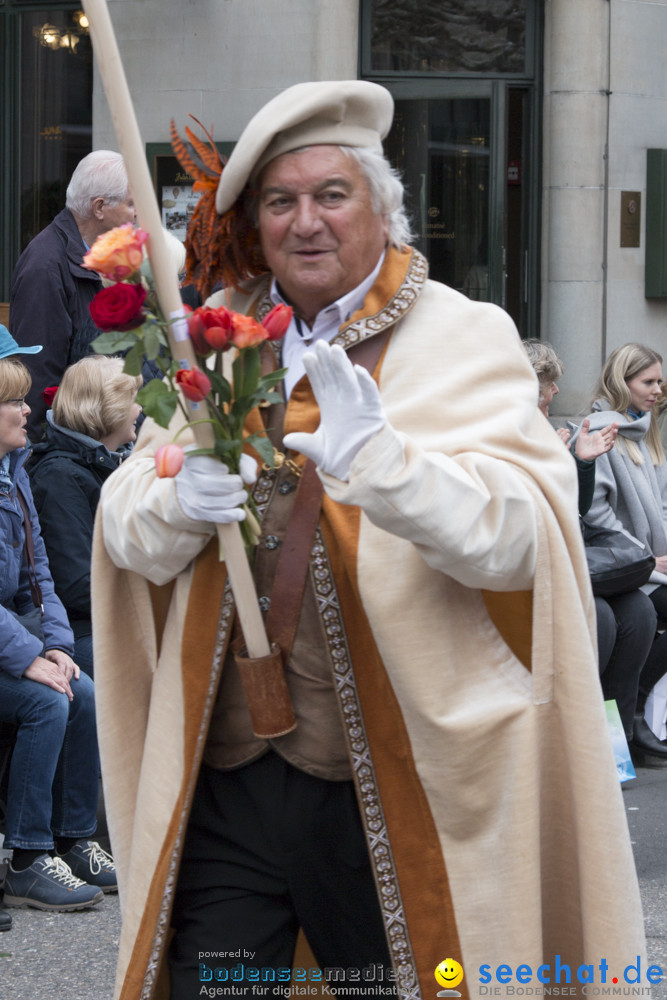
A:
[54,769]
[626,623]
[631,493]
[93,416]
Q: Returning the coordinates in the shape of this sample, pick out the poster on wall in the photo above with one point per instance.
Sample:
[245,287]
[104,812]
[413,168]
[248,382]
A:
[174,186]
[176,197]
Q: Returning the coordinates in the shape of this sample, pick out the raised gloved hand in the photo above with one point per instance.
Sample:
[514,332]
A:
[350,410]
[207,491]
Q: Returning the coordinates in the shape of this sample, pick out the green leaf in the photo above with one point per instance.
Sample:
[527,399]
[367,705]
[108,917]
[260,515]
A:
[193,452]
[151,341]
[262,446]
[246,369]
[272,378]
[158,401]
[134,360]
[114,342]
[269,397]
[241,406]
[220,386]
[223,447]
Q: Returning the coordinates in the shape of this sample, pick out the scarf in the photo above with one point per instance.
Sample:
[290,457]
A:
[5,477]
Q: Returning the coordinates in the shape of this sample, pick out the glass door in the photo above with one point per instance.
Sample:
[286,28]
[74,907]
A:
[462,151]
[46,123]
[442,147]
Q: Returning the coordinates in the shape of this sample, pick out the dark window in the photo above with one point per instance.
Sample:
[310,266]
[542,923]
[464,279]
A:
[55,112]
[45,117]
[445,36]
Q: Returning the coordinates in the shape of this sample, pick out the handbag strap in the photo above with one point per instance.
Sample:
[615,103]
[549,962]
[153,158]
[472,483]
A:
[290,579]
[29,549]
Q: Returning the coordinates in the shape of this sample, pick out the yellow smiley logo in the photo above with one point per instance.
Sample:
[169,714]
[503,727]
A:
[448,973]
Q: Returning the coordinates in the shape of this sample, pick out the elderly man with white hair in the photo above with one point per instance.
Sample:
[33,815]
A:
[51,290]
[449,791]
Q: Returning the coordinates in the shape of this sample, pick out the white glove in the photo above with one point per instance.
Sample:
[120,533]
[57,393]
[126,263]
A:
[207,491]
[350,410]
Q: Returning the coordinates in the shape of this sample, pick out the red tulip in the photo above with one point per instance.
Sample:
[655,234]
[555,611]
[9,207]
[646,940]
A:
[277,321]
[194,383]
[216,337]
[169,460]
[196,331]
[209,328]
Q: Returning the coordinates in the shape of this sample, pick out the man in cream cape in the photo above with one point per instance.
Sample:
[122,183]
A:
[449,790]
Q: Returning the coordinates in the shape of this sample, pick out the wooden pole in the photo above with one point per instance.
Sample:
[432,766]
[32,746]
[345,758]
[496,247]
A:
[168,294]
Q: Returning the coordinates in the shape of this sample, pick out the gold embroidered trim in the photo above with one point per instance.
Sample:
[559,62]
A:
[397,307]
[372,817]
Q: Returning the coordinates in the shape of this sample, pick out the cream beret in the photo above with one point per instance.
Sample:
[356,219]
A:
[335,112]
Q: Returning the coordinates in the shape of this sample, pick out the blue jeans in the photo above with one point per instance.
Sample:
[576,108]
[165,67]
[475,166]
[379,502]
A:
[54,771]
[83,654]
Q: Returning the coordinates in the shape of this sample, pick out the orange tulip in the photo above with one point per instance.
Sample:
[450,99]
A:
[246,331]
[169,460]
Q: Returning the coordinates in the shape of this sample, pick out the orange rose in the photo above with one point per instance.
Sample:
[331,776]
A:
[117,254]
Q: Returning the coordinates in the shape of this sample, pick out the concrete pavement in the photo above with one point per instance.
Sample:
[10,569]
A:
[71,956]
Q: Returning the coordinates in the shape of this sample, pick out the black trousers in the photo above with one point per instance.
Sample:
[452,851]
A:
[626,628]
[270,849]
[656,662]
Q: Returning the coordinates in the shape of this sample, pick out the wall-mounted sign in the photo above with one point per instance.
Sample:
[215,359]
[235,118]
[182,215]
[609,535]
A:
[631,205]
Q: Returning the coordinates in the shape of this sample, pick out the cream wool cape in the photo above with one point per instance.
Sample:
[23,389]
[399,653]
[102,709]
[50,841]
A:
[466,672]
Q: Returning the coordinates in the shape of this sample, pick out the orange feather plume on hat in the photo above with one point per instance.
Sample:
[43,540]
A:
[220,249]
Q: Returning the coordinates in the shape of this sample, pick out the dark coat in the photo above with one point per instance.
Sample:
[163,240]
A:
[66,473]
[49,303]
[18,647]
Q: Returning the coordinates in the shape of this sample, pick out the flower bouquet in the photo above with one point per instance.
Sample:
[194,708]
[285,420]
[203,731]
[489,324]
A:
[128,312]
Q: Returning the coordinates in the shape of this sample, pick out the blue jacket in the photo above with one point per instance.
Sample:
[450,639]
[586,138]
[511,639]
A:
[18,647]
[66,472]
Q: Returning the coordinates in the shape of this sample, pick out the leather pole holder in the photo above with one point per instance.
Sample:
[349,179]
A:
[265,689]
[263,677]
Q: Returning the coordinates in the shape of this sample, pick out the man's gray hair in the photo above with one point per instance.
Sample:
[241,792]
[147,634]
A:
[101,174]
[386,190]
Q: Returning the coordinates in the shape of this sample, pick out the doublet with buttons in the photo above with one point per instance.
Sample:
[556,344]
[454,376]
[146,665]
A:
[317,745]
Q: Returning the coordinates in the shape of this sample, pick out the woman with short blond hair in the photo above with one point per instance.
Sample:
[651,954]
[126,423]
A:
[88,429]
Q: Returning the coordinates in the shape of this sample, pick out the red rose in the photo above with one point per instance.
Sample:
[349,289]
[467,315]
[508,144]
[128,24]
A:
[118,307]
[48,394]
[194,383]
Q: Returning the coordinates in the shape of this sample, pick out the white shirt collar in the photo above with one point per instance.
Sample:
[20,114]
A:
[328,321]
